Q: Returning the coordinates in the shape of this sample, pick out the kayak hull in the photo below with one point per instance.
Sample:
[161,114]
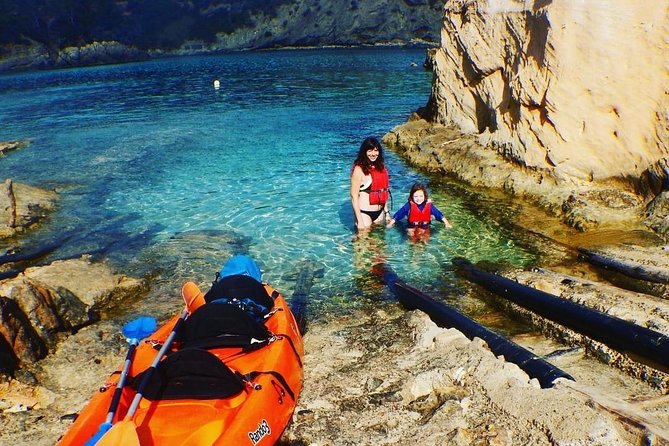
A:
[257,415]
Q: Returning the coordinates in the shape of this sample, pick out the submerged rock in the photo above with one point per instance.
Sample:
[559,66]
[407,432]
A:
[8,146]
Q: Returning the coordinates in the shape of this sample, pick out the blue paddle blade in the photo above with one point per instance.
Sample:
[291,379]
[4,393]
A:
[139,328]
[104,427]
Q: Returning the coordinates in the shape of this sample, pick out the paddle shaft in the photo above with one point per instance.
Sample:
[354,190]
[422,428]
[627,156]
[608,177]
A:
[134,331]
[121,382]
[145,381]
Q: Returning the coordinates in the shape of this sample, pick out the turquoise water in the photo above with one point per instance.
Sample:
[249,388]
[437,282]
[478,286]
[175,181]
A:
[165,175]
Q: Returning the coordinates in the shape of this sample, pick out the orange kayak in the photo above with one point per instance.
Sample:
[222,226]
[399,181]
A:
[227,379]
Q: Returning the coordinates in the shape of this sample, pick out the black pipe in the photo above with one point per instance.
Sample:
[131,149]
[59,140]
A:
[305,280]
[639,343]
[631,269]
[446,316]
[10,274]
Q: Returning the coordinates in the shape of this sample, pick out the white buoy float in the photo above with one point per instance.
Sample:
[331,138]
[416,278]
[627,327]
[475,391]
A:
[217,84]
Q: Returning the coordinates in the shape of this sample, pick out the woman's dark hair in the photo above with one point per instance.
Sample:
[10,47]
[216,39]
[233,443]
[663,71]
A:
[362,160]
[416,187]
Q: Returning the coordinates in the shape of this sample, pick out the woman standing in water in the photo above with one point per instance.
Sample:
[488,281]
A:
[369,185]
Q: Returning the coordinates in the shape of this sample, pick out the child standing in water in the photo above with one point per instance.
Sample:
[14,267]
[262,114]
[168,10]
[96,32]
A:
[419,210]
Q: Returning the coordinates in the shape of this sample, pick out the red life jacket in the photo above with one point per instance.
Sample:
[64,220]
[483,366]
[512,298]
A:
[378,191]
[417,217]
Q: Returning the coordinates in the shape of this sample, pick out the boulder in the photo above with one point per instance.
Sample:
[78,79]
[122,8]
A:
[42,303]
[22,206]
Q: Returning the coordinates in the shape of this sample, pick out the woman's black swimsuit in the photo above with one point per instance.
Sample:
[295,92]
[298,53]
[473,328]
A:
[372,214]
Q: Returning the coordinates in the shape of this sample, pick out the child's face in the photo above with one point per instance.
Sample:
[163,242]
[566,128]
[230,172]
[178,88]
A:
[418,197]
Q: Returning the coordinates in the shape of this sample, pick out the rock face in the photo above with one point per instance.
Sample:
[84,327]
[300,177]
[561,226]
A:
[44,301]
[561,99]
[581,91]
[22,206]
[308,23]
[39,57]
[98,53]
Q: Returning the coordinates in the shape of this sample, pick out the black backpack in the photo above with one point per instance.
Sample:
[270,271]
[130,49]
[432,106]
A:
[243,291]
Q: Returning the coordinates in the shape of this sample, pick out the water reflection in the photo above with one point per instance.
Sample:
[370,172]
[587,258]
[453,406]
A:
[369,259]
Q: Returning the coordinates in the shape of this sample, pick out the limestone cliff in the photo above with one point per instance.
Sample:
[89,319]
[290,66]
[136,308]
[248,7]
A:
[573,93]
[580,89]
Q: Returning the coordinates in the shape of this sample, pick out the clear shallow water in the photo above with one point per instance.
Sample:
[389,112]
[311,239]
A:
[157,169]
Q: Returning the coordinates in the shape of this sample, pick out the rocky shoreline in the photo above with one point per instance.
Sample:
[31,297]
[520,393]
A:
[445,151]
[380,376]
[390,376]
[212,27]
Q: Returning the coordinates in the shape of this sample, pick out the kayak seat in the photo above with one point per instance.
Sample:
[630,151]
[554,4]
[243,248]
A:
[244,291]
[216,325]
[190,374]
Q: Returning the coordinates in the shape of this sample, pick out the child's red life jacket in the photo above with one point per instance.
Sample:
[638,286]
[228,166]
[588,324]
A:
[378,191]
[417,217]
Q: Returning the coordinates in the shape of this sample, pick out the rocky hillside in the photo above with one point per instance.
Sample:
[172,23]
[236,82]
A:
[44,34]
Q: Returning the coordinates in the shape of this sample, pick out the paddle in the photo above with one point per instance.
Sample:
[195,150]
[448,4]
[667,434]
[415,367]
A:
[133,331]
[125,432]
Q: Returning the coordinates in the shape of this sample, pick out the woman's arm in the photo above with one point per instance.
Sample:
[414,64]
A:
[356,181]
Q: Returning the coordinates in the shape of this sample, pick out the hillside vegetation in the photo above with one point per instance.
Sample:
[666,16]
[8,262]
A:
[44,28]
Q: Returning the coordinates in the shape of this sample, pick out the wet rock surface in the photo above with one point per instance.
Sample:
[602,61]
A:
[445,151]
[22,206]
[9,146]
